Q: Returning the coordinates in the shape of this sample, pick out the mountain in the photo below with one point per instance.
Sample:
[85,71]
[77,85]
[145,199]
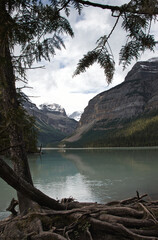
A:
[76,115]
[51,121]
[54,108]
[126,115]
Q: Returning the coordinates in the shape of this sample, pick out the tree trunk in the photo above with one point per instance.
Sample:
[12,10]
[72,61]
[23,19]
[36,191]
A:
[12,110]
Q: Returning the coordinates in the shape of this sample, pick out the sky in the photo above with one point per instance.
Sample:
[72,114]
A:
[55,83]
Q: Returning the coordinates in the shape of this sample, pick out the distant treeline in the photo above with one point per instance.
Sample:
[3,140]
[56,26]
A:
[142,131]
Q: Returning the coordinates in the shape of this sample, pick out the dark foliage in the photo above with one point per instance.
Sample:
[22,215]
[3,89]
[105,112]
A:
[137,18]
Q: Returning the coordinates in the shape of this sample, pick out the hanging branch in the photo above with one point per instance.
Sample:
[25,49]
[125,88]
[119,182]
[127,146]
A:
[113,27]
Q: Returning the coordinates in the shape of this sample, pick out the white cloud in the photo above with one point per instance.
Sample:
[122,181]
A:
[55,84]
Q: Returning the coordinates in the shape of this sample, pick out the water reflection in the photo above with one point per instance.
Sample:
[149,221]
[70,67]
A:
[118,173]
[58,177]
[92,175]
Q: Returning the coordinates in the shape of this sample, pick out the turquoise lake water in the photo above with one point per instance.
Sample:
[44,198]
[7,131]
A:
[93,175]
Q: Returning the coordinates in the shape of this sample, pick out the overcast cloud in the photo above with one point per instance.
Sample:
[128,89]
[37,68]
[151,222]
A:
[55,84]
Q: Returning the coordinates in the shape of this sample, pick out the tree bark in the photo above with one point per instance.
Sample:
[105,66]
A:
[11,108]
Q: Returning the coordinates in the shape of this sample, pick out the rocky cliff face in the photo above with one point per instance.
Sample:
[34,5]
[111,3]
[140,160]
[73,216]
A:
[137,95]
[55,116]
[51,115]
[146,70]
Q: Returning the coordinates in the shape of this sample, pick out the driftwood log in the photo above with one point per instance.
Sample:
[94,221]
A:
[133,218]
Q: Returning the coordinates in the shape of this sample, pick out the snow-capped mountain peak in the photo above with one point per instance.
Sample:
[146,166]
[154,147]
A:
[76,115]
[54,107]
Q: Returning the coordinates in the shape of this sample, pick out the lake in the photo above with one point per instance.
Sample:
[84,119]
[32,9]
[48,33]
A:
[93,175]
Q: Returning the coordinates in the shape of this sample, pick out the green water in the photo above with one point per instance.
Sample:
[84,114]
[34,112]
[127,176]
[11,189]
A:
[93,175]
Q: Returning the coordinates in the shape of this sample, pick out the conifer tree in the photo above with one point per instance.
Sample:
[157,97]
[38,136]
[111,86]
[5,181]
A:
[24,23]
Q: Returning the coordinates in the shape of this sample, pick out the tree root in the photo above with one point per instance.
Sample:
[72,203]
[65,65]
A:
[47,236]
[131,218]
[12,206]
[116,229]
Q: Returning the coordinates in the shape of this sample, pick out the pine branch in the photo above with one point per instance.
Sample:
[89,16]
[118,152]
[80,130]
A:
[107,63]
[86,62]
[129,52]
[100,56]
[64,6]
[124,8]
[102,6]
[78,6]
